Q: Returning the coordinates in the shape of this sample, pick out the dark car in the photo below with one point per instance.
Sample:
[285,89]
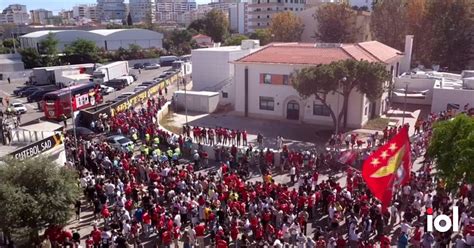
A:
[146,64]
[82,132]
[135,78]
[28,92]
[37,95]
[117,83]
[20,89]
[138,66]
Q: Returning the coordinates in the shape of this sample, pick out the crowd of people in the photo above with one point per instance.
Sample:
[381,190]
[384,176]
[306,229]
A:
[147,192]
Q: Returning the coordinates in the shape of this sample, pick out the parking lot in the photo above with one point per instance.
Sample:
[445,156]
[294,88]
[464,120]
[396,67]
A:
[6,91]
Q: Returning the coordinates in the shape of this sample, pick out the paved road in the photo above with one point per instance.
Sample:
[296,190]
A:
[6,90]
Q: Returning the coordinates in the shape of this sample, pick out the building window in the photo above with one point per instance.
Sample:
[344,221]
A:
[258,17]
[268,16]
[321,110]
[258,24]
[366,110]
[286,80]
[267,103]
[286,8]
[225,94]
[267,78]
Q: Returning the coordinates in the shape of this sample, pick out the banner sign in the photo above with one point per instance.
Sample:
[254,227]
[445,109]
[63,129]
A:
[143,95]
[37,148]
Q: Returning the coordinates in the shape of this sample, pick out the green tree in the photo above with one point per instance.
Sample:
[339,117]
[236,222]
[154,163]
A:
[30,57]
[10,43]
[389,22]
[216,25]
[341,77]
[129,20]
[451,40]
[49,49]
[235,40]
[335,23]
[179,42]
[34,194]
[286,27]
[452,148]
[82,51]
[263,35]
[198,26]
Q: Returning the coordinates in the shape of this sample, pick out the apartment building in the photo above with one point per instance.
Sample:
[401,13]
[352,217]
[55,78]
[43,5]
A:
[15,14]
[87,11]
[140,10]
[109,10]
[238,17]
[176,11]
[260,12]
[41,16]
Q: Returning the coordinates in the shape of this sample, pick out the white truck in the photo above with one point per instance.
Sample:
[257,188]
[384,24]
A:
[110,71]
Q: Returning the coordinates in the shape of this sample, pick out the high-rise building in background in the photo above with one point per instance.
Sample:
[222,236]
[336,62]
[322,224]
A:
[41,16]
[85,11]
[15,14]
[175,11]
[238,18]
[142,10]
[260,12]
[111,10]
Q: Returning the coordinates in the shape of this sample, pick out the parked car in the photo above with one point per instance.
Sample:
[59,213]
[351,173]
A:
[18,107]
[161,77]
[38,95]
[152,66]
[140,88]
[118,84]
[135,78]
[138,66]
[28,91]
[129,79]
[119,141]
[105,90]
[167,60]
[147,83]
[17,91]
[82,132]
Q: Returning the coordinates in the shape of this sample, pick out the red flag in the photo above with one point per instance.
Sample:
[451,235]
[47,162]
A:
[348,157]
[388,167]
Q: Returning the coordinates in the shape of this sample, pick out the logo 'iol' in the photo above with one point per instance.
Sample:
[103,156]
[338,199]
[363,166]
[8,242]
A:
[437,221]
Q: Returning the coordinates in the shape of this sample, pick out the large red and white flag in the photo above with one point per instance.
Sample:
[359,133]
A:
[388,167]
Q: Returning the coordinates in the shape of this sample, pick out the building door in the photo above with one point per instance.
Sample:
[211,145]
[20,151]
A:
[293,111]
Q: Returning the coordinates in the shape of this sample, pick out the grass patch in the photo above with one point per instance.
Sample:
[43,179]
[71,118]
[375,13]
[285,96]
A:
[168,123]
[378,123]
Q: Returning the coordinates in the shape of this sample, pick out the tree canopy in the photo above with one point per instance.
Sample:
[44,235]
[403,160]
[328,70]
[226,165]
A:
[235,40]
[49,49]
[286,27]
[82,51]
[30,57]
[442,29]
[341,77]
[35,193]
[179,42]
[263,35]
[215,25]
[452,148]
[335,23]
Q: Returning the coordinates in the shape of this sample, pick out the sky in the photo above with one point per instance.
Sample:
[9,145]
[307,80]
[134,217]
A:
[56,5]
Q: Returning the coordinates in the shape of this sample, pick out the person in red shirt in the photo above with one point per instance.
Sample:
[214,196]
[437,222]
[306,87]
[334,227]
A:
[341,242]
[200,233]
[96,234]
[166,238]
[384,242]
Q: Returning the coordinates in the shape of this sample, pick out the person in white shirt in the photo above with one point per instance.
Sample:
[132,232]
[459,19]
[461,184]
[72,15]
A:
[405,227]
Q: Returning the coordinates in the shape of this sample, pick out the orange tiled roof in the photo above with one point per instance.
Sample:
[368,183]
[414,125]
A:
[315,54]
[200,36]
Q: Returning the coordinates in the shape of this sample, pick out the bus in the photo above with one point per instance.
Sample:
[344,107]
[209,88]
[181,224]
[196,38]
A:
[58,103]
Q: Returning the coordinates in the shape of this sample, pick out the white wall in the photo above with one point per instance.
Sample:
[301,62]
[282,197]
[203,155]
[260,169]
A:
[414,84]
[442,97]
[210,67]
[197,102]
[282,94]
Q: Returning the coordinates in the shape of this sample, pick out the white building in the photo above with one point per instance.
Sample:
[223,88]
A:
[189,16]
[238,17]
[441,90]
[109,39]
[260,12]
[111,10]
[87,11]
[262,82]
[212,68]
[173,11]
[41,16]
[15,14]
[140,10]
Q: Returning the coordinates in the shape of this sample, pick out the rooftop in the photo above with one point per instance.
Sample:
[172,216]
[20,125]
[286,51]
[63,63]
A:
[322,53]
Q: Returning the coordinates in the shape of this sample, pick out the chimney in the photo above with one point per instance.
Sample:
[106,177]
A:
[406,60]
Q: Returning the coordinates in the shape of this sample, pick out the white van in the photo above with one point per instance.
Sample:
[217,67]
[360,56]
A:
[128,78]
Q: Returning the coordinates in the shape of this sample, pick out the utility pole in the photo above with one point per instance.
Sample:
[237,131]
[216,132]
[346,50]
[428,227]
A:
[73,123]
[185,96]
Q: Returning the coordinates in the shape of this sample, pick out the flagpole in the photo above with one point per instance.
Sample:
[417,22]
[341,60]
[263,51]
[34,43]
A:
[405,104]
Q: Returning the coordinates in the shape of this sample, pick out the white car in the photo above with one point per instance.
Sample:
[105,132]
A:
[152,66]
[105,90]
[140,88]
[18,107]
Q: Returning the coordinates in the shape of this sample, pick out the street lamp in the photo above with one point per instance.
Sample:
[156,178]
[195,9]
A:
[73,121]
[185,96]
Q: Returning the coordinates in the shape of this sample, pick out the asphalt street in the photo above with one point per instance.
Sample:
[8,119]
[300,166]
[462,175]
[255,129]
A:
[6,90]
